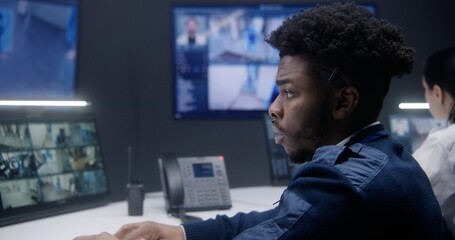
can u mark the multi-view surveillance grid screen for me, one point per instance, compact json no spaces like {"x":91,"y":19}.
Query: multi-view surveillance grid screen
{"x":47,"y":167}
{"x":38,"y":49}
{"x":222,"y":66}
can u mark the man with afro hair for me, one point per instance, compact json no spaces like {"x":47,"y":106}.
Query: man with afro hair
{"x":336,"y":63}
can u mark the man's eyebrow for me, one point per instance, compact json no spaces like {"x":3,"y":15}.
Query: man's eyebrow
{"x":280,"y":82}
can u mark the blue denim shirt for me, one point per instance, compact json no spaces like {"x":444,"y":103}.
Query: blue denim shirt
{"x":372,"y":190}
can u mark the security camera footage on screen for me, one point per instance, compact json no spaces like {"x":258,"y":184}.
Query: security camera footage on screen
{"x":222,"y":66}
{"x":44,"y":164}
{"x":411,"y":129}
{"x":38,"y":46}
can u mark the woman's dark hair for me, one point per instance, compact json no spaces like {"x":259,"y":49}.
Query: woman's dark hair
{"x":440,"y":70}
{"x":347,"y":36}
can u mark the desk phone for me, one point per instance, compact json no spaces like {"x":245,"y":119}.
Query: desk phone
{"x":194,"y":183}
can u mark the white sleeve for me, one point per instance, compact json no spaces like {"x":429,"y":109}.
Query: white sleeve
{"x":183,"y":230}
{"x":432,"y":157}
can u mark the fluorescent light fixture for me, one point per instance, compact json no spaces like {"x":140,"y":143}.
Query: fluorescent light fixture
{"x":40,"y":103}
{"x":414,"y":105}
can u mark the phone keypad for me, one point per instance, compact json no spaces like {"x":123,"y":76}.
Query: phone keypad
{"x":207,"y":189}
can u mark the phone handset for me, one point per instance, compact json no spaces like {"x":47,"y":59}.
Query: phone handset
{"x":173,"y":188}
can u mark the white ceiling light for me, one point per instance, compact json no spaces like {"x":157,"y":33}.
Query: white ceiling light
{"x":43,"y":103}
{"x":414,"y":106}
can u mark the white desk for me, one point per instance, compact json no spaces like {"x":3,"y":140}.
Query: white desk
{"x":112,"y":216}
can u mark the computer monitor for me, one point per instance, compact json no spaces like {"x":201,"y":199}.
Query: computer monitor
{"x":222,"y":67}
{"x":38,"y":49}
{"x":50,"y":165}
{"x":412,"y":129}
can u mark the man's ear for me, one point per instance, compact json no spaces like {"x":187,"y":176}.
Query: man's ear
{"x":347,"y":100}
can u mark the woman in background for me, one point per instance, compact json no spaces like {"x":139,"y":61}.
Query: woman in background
{"x":436,"y":155}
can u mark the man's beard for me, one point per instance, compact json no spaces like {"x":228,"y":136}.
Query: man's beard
{"x":312,"y":133}
{"x":300,"y":157}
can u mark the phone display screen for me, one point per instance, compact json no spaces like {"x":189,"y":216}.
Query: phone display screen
{"x":203,"y":170}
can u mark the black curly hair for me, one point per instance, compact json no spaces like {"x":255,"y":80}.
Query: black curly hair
{"x":347,"y":36}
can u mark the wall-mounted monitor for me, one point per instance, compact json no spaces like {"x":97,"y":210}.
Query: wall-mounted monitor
{"x":38,"y":49}
{"x":50,"y":165}
{"x":222,"y":67}
{"x":412,"y":129}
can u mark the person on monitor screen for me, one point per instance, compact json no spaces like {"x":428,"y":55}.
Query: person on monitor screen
{"x":336,"y":63}
{"x":191,"y":35}
{"x":436,"y":155}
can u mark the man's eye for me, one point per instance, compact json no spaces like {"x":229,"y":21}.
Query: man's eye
{"x":288,"y":94}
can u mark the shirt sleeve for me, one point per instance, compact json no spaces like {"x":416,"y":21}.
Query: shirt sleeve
{"x":316,"y":193}
{"x":432,"y":157}
{"x":224,"y":227}
{"x":183,"y":230}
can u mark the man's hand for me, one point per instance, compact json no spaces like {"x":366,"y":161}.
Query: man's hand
{"x":149,"y":231}
{"x":101,"y":236}
{"x":145,"y":230}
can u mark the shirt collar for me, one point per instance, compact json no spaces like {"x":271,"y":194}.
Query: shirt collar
{"x":342,"y":143}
